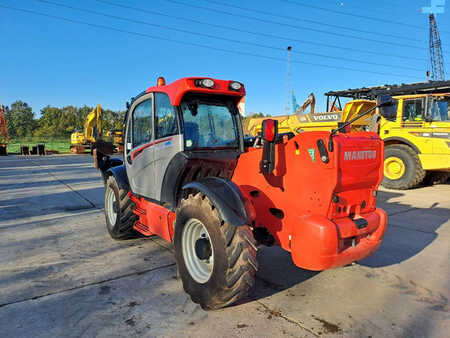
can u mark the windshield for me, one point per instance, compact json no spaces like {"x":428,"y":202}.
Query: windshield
{"x":208,"y":125}
{"x":439,"y":108}
{"x":414,"y":110}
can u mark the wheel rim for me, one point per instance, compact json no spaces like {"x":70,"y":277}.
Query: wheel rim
{"x":199,"y":269}
{"x":394,"y":168}
{"x":110,"y":207}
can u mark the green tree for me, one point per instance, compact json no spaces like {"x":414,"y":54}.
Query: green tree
{"x":20,"y":120}
{"x":68,"y":120}
{"x":48,"y":123}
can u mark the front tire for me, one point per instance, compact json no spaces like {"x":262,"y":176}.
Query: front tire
{"x":119,"y":211}
{"x":402,"y":168}
{"x":216,"y":260}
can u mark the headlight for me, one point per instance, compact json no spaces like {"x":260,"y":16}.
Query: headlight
{"x":235,"y":86}
{"x":206,"y":83}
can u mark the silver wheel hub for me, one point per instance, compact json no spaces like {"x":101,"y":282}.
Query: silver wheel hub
{"x":198,"y":253}
{"x":111,"y":206}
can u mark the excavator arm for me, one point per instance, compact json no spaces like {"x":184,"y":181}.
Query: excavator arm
{"x":80,"y":141}
{"x":310,"y":101}
{"x":93,"y":125}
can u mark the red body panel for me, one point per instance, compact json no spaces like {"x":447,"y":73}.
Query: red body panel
{"x":177,"y":89}
{"x":319,"y":243}
{"x":154,"y":219}
{"x":311,"y":226}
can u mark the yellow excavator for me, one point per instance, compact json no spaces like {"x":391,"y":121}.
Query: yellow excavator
{"x":80,"y":141}
{"x":328,"y":121}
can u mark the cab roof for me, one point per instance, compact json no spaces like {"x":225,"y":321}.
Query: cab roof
{"x":370,"y":93}
{"x":177,"y":89}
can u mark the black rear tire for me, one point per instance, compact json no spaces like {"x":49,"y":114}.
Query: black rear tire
{"x":122,"y":226}
{"x":413,"y":174}
{"x":234,"y":255}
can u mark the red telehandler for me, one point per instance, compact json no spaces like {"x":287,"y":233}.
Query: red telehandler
{"x":189,"y":176}
{"x":3,"y":132}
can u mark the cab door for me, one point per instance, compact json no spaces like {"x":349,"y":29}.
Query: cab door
{"x":168,"y":139}
{"x":414,"y":122}
{"x":139,"y":148}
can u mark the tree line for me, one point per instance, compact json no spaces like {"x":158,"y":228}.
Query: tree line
{"x":54,"y":122}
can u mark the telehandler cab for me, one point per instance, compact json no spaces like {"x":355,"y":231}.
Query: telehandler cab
{"x":189,"y":176}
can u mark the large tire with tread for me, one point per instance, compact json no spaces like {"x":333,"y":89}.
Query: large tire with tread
{"x":119,"y":211}
{"x":232,"y":252}
{"x":413,"y":173}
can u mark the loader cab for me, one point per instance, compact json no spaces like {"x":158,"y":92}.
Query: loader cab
{"x":439,"y":108}
{"x":429,"y":108}
{"x":414,"y":110}
{"x":210,"y":123}
{"x":179,"y":133}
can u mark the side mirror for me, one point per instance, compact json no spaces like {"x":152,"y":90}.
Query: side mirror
{"x":387,"y":106}
{"x":269,"y":135}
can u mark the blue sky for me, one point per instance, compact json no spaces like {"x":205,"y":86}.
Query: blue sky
{"x":48,"y":61}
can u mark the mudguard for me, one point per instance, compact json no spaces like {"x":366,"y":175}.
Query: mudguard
{"x":120,"y":174}
{"x":226,"y":197}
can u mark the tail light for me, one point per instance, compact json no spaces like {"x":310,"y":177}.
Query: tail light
{"x":269,"y":130}
{"x":269,"y":134}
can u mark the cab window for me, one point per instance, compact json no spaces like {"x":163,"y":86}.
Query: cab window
{"x":439,"y":108}
{"x":142,"y":123}
{"x":165,"y":117}
{"x":414,"y":110}
{"x":209,"y":125}
{"x":129,"y":133}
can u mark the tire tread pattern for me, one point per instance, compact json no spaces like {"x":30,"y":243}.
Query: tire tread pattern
{"x":417,"y":175}
{"x":241,"y":250}
{"x":123,"y":229}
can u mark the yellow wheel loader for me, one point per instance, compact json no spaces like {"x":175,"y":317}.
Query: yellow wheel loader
{"x":417,"y":140}
{"x":116,"y":138}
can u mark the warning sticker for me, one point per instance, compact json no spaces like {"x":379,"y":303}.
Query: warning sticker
{"x":312,"y":153}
